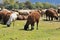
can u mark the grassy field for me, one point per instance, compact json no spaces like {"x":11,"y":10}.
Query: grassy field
{"x":48,"y":30}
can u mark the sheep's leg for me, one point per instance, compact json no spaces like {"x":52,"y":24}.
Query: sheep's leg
{"x":13,"y":23}
{"x":37,"y":24}
{"x":32,"y":26}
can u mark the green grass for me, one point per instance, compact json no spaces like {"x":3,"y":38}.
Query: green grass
{"x":47,"y":31}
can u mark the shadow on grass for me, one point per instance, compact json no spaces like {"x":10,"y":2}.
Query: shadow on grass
{"x":21,"y":29}
{"x":58,"y":28}
{"x":25,"y":30}
{"x":56,"y":21}
{"x":50,"y":20}
{"x":4,"y":26}
{"x":46,"y":20}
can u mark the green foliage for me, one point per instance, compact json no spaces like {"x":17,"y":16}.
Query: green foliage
{"x":9,"y":6}
{"x":11,"y":2}
{"x":27,"y":5}
{"x":16,"y":6}
{"x":21,"y":5}
{"x":47,"y":5}
{"x":33,"y":6}
{"x":39,"y":5}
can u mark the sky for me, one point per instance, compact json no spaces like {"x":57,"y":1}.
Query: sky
{"x":50,"y":1}
{"x":33,"y":1}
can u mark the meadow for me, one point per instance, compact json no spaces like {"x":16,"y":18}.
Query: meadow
{"x":48,"y":30}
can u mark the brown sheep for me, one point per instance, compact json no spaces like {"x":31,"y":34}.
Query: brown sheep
{"x":5,"y":16}
{"x":51,"y":14}
{"x":32,"y":18}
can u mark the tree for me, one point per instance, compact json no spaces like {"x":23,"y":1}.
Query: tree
{"x":9,"y":1}
{"x":47,"y":5}
{"x":9,"y":4}
{"x":21,"y":5}
{"x":28,"y":4}
{"x":39,"y":5}
{"x":16,"y":5}
{"x":33,"y":6}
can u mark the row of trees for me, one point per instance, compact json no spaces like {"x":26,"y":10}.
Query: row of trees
{"x":11,"y":4}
